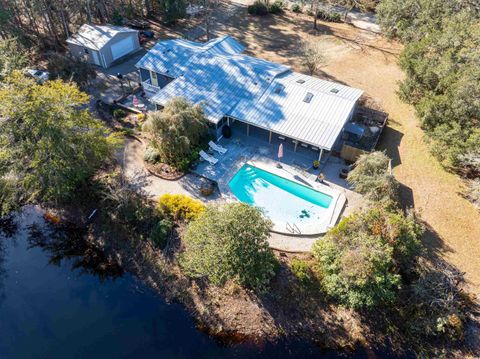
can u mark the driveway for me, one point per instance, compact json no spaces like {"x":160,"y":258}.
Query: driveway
{"x":108,"y":87}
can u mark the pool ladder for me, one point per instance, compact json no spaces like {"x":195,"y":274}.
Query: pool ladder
{"x":292,"y":228}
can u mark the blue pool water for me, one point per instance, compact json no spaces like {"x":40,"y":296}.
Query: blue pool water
{"x":281,"y":199}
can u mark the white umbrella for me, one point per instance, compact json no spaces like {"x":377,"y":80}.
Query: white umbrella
{"x":280,"y":151}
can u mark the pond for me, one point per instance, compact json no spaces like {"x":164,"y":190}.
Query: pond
{"x":60,"y":298}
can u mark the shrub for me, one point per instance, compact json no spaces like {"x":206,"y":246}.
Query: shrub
{"x":329,"y":16}
{"x":276,"y":7}
{"x":360,"y":261}
{"x":301,"y":270}
{"x":371,"y":177}
{"x":160,"y":231}
{"x":151,"y":155}
{"x":119,"y":113}
{"x":180,"y":207}
{"x":258,"y":8}
{"x":473,"y":192}
{"x":70,"y":68}
{"x":230,"y":243}
{"x":296,"y":8}
{"x":117,"y":18}
{"x":179,"y":130}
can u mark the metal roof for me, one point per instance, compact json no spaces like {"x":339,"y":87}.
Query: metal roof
{"x":255,"y":91}
{"x":220,"y":82}
{"x":284,"y":109}
{"x":96,"y":36}
{"x":172,"y":57}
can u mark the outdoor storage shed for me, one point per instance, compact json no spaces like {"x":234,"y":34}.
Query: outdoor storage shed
{"x":103,"y":44}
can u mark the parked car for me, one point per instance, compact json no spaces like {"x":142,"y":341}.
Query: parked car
{"x":39,"y":75}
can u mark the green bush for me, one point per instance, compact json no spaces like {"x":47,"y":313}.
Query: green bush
{"x":276,"y":7}
{"x":301,"y":270}
{"x":329,"y":16}
{"x":360,"y":261}
{"x":180,"y":207}
{"x":230,"y":243}
{"x":296,"y":8}
{"x":151,"y":155}
{"x":160,"y":231}
{"x":119,"y":113}
{"x":258,"y":8}
{"x":178,"y":131}
{"x":371,"y":177}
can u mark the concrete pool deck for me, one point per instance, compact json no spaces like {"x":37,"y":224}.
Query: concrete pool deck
{"x":131,"y":158}
{"x":292,"y":227}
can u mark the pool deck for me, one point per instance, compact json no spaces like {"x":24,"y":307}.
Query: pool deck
{"x":296,"y":166}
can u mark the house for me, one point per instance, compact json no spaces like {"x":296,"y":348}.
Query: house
{"x":103,"y":44}
{"x":233,"y":87}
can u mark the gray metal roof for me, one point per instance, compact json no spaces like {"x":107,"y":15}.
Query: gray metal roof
{"x":220,"y":82}
{"x":255,"y":91}
{"x":283,"y":110}
{"x":96,"y":36}
{"x":172,"y":57}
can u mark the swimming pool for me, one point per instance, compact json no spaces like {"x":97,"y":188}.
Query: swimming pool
{"x":282,"y":200}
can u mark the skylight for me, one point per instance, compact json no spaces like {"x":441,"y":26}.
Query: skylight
{"x":308,"y":97}
{"x":278,"y":88}
{"x":334,"y":90}
{"x":301,"y":81}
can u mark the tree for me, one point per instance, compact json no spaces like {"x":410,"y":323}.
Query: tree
{"x":230,"y":243}
{"x":177,"y":130}
{"x":49,"y":144}
{"x":440,"y":59}
{"x":360,"y":261}
{"x":70,"y":68}
{"x":173,"y":10}
{"x":372,"y":177}
{"x":312,"y":56}
{"x":12,"y":57}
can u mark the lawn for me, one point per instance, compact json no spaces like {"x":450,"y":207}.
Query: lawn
{"x":361,"y":59}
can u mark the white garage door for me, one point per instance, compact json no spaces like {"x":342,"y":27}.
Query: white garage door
{"x":122,"y":48}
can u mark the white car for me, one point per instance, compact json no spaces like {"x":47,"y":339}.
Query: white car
{"x":39,"y":75}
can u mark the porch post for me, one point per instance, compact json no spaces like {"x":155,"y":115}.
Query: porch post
{"x":320,"y":155}
{"x":296,"y":144}
{"x":228,"y":120}
{"x":270,"y":137}
{"x":248,"y":129}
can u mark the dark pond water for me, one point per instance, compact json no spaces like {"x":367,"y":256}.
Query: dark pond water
{"x":57,"y":304}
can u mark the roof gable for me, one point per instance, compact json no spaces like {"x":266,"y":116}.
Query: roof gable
{"x":96,"y":36}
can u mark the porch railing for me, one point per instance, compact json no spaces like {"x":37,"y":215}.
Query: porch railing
{"x":147,"y":86}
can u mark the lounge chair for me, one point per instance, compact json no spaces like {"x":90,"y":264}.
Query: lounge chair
{"x":217,"y":147}
{"x":210,"y":159}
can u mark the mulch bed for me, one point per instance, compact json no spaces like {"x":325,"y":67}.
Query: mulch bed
{"x":164,"y":171}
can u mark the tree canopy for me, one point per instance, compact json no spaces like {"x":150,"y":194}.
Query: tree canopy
{"x":441,"y":56}
{"x":49,"y":142}
{"x":371,"y":177}
{"x":178,"y":129}
{"x":360,"y":260}
{"x":230,"y":243}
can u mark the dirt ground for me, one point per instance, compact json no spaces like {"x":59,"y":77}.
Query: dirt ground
{"x":367,"y":61}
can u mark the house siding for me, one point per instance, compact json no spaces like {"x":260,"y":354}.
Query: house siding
{"x":105,"y":53}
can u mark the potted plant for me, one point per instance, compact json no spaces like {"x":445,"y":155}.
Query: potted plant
{"x":316,"y":164}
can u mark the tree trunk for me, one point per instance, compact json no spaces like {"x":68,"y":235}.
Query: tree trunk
{"x":89,"y":11}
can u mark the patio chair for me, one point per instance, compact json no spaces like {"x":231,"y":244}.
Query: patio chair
{"x":217,"y":147}
{"x":210,"y":159}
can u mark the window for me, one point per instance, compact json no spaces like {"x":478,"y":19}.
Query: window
{"x":334,"y":90}
{"x":308,"y":97}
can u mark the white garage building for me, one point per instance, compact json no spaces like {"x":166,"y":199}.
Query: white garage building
{"x":102,"y":45}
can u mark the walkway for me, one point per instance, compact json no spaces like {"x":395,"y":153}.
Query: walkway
{"x":132,"y":159}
